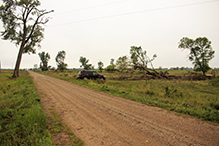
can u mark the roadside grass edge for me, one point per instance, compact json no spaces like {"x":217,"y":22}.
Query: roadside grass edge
{"x":22,"y":119}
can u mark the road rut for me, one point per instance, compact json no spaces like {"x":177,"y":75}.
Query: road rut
{"x":101,"y":119}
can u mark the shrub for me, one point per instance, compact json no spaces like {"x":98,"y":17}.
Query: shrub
{"x":214,"y":82}
{"x":110,"y":68}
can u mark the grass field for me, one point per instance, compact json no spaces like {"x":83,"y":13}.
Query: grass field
{"x":196,"y":98}
{"x":22,"y":120}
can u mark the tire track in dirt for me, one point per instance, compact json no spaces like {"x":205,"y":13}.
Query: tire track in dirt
{"x":101,"y":119}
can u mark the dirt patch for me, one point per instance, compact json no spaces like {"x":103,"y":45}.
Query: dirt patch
{"x":101,"y":119}
{"x":59,"y":138}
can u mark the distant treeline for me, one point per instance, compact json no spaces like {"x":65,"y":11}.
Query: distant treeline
{"x":160,"y":68}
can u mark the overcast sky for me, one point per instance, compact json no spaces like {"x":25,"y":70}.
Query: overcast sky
{"x":103,"y":29}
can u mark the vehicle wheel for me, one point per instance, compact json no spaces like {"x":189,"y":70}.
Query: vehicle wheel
{"x":85,"y":78}
{"x":102,"y":79}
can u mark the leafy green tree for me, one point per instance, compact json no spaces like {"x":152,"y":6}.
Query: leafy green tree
{"x":112,"y":66}
{"x":200,"y":54}
{"x":112,"y":61}
{"x":122,"y":63}
{"x":84,"y":63}
{"x":22,"y":22}
{"x":60,"y":57}
{"x":62,"y":66}
{"x":100,"y":65}
{"x":44,"y":57}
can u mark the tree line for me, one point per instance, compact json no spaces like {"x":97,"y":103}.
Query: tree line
{"x":201,"y":53}
{"x":44,"y":57}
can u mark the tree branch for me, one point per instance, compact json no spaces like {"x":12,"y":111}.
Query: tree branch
{"x":36,"y":22}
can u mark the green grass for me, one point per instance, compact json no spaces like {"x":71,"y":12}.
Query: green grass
{"x":196,"y":98}
{"x":22,"y":119}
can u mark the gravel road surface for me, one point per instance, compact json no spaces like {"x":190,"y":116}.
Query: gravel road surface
{"x":101,"y":119}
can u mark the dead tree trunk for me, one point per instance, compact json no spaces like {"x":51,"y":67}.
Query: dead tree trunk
{"x":148,"y":71}
{"x":153,"y":72}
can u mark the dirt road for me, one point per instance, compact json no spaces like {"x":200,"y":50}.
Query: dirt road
{"x":101,"y":119}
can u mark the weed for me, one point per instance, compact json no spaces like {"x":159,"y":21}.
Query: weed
{"x":41,"y":93}
{"x":214,"y":82}
{"x":98,"y":81}
{"x":173,"y":93}
{"x":104,"y":88}
{"x":148,"y":92}
{"x":214,"y":105}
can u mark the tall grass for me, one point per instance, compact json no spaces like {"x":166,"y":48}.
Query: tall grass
{"x":196,"y":98}
{"x":22,"y":119}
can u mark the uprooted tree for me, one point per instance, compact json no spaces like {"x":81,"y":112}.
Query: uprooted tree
{"x":140,"y":60}
{"x":22,"y":22}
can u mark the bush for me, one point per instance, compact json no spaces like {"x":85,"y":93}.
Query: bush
{"x":214,"y":82}
{"x":110,"y":68}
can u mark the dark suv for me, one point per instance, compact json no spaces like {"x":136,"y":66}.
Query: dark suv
{"x":90,"y":75}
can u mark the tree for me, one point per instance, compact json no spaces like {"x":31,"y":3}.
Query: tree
{"x":100,"y":65}
{"x":140,"y":60}
{"x":112,"y":61}
{"x":200,"y":54}
{"x":35,"y":67}
{"x":84,"y":63}
{"x":122,"y":63}
{"x":44,"y":57}
{"x":22,"y":22}
{"x":60,"y":57}
{"x":182,"y":68}
{"x":112,"y":66}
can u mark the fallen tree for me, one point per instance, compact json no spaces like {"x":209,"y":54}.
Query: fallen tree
{"x":140,"y":60}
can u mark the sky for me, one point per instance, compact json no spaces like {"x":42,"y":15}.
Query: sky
{"x":104,"y":29}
